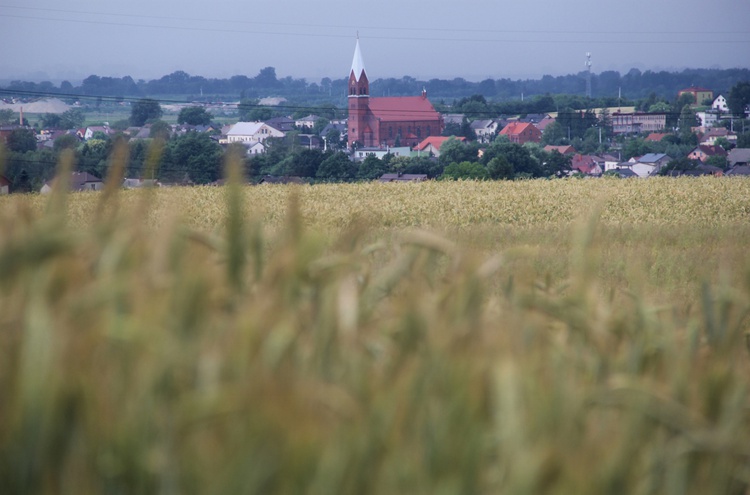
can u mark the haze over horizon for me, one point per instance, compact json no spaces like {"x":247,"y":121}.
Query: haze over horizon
{"x":424,"y":40}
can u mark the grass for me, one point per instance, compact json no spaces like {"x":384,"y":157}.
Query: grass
{"x":543,"y":336}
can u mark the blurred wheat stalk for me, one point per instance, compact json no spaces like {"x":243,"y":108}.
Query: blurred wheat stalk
{"x":179,"y":359}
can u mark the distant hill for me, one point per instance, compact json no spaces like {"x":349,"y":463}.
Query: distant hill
{"x":631,"y":85}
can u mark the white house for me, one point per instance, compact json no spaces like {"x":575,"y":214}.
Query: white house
{"x":252,"y":132}
{"x":362,"y":153}
{"x":720,"y":104}
{"x":610,"y":162}
{"x":257,"y":148}
{"x":484,"y":129}
{"x":708,"y":119}
{"x":306,"y":122}
{"x":79,"y":181}
{"x":649,"y":164}
{"x":93,"y":129}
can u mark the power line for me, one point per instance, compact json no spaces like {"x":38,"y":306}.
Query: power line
{"x":629,"y":41}
{"x":348,"y":27}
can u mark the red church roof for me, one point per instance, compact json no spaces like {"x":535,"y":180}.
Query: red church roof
{"x":403,"y":108}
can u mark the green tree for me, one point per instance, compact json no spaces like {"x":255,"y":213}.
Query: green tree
{"x":304,"y":163}
{"x":194,"y":154}
{"x":250,"y":111}
{"x":660,"y":107}
{"x":371,"y":168}
{"x":320,"y":124}
{"x":465,"y":170}
{"x":499,"y":168}
{"x":21,"y":140}
{"x":161,"y":130}
{"x":120,"y":125}
{"x":739,"y":98}
{"x":456,"y":151}
{"x":7,"y":116}
{"x":194,"y":115}
{"x":635,"y":147}
{"x":743,"y":140}
{"x":556,"y":164}
{"x":678,"y":165}
{"x":50,"y":121}
{"x":554,"y":135}
{"x":72,"y":119}
{"x":144,"y":110}
{"x":519,"y":157}
{"x":333,"y":139}
{"x":724,"y":143}
{"x":93,"y":157}
{"x":336,"y":166}
{"x":718,"y":161}
{"x":66,"y":141}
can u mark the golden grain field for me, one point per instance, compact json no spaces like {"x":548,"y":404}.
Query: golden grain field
{"x":568,"y":336}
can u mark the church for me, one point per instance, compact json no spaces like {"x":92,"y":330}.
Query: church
{"x":388,"y":121}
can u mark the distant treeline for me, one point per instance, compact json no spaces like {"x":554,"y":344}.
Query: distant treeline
{"x":632,"y":85}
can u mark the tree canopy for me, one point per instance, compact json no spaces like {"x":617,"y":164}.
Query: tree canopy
{"x":194,"y":115}
{"x":144,"y":110}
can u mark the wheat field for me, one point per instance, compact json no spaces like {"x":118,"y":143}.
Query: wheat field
{"x":566,"y":336}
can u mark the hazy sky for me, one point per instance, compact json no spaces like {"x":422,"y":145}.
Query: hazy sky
{"x":49,"y":39}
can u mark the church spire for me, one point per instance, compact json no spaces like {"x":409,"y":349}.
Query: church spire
{"x":358,"y":64}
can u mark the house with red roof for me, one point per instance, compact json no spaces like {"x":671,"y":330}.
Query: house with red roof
{"x":587,"y":164}
{"x":712,"y":135}
{"x":430,"y":146}
{"x":703,"y":152}
{"x":563,"y":150}
{"x":387,"y":121}
{"x":522,"y":132}
{"x":655,"y":137}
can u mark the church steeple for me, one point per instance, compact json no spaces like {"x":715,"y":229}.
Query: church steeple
{"x":358,"y":83}
{"x":358,"y":64}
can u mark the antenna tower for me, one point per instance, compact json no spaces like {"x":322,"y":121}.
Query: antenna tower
{"x":588,"y":74}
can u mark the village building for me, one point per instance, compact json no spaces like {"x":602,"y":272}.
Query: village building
{"x":563,"y":150}
{"x":700,"y":95}
{"x":430,"y":146}
{"x":522,"y":132}
{"x":387,"y":121}
{"x":633,"y":123}
{"x":703,"y":152}
{"x":252,"y":132}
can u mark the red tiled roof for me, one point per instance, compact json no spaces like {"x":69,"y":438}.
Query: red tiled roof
{"x":583,"y":163}
{"x":656,"y":136}
{"x":435,"y":141}
{"x":515,"y":128}
{"x":403,"y":108}
{"x":542,"y":125}
{"x":694,"y":89}
{"x":712,"y":150}
{"x":560,"y":149}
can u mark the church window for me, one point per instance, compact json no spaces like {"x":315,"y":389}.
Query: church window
{"x":429,"y":133}
{"x":390,"y":132}
{"x":419,"y":132}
